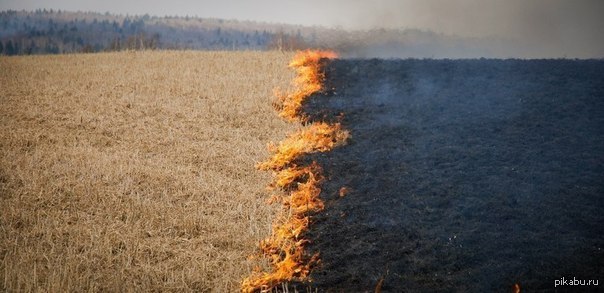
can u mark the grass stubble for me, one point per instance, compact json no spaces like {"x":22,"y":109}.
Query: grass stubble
{"x":134,"y":171}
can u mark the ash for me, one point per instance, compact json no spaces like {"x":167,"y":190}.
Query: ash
{"x":462,"y":175}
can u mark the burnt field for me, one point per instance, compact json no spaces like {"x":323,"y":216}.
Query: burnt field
{"x":462,"y":175}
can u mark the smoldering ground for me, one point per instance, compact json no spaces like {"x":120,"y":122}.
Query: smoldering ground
{"x":462,"y":175}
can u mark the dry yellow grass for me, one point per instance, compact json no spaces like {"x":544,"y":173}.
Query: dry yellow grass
{"x":135,"y":171}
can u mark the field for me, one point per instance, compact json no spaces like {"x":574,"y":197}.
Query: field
{"x":463,"y":176}
{"x":135,"y":170}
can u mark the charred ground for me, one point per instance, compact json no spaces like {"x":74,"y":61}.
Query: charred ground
{"x":464,"y":175}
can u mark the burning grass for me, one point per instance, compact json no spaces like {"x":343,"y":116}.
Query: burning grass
{"x":300,"y":184}
{"x":317,"y":137}
{"x":309,"y":80}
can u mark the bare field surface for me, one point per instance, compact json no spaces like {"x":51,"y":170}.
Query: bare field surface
{"x":135,"y":171}
{"x":463,"y":176}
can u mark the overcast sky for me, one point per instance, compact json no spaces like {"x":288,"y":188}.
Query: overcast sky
{"x":547,"y":21}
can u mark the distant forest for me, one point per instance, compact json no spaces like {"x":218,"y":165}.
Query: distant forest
{"x":55,"y":32}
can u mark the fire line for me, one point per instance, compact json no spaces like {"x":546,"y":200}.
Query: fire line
{"x":300,"y":184}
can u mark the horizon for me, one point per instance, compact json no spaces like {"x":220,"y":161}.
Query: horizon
{"x":562,"y":27}
{"x":466,"y":18}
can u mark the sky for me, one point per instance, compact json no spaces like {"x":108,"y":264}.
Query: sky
{"x":565,"y":22}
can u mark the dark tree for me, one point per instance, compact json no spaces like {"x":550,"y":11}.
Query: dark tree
{"x":87,"y":49}
{"x":31,"y":48}
{"x":10,"y":48}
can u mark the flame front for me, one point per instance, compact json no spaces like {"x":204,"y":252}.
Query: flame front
{"x":317,"y":137}
{"x":301,"y":184}
{"x":309,"y":80}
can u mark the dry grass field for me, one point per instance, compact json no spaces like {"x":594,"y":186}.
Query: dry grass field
{"x":135,"y":171}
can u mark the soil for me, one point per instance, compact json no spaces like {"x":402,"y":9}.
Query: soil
{"x":463,"y":175}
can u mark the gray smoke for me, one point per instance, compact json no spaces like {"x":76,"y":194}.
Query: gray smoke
{"x":484,"y":28}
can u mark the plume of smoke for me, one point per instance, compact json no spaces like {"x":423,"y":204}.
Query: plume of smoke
{"x":473,"y":28}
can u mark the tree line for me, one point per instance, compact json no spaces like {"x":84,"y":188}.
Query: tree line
{"x":55,"y":32}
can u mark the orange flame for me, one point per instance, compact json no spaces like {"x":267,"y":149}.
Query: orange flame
{"x":317,"y":137}
{"x":285,"y":247}
{"x":308,"y":81}
{"x":343,"y":191}
{"x":285,"y":178}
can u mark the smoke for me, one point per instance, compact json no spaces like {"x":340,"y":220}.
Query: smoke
{"x":510,"y":28}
